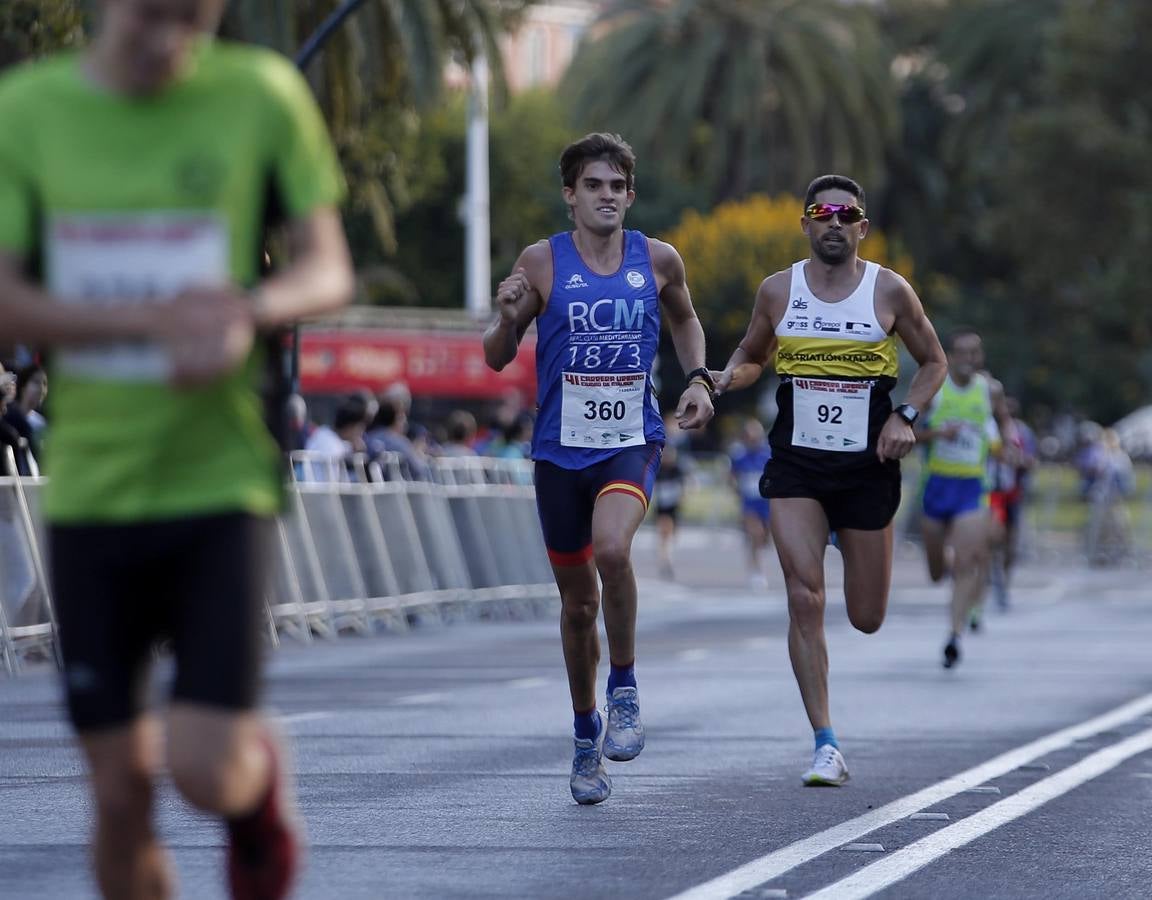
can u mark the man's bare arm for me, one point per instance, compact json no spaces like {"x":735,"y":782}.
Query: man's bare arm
{"x":519,"y":299}
{"x":683,"y":325}
{"x":318,"y":278}
{"x":897,"y":437}
{"x":32,"y":316}
{"x":919,"y":337}
{"x":694,"y":409}
{"x":754,"y":352}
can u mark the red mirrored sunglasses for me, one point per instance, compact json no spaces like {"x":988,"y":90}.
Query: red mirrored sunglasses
{"x":845,"y":212}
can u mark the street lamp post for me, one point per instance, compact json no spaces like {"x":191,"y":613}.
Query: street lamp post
{"x":478,"y":248}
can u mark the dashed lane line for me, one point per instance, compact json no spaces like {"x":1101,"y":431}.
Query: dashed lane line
{"x":776,"y":863}
{"x":887,"y":872}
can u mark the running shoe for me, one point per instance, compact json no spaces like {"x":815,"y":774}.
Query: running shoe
{"x":625,"y":735}
{"x":264,"y":847}
{"x":590,"y":782}
{"x":828,"y":768}
{"x":951,"y":653}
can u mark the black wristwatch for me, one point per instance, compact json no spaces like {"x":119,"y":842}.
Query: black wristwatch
{"x":908,"y":413}
{"x":703,"y":372}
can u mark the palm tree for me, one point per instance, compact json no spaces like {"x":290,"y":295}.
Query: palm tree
{"x":994,"y":54}
{"x":761,"y":95}
{"x":377,"y":73}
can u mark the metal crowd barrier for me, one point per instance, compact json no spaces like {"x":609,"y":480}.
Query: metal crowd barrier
{"x":358,"y":548}
{"x":27,"y":619}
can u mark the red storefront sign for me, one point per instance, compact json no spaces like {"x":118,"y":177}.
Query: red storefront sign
{"x":432,"y":364}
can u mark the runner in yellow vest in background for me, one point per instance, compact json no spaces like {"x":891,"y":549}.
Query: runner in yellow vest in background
{"x":960,"y":430}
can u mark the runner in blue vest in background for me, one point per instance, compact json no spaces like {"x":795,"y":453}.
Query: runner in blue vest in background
{"x":748,"y":458}
{"x":596,"y":294}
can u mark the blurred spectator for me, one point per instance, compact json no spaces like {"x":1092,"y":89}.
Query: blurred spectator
{"x":389,"y":434}
{"x":460,"y":432}
{"x":1009,"y":474}
{"x":400,"y":394}
{"x":10,"y":435}
{"x":1109,"y":525}
{"x":371,"y":404}
{"x":748,"y":457}
{"x":299,"y":426}
{"x":23,"y":414}
{"x":668,"y":493}
{"x":515,"y":441}
{"x":509,"y":410}
{"x":337,"y":443}
{"x":1087,"y":455}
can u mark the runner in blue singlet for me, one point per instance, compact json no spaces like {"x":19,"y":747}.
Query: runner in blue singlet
{"x":748,"y":459}
{"x":596,"y":294}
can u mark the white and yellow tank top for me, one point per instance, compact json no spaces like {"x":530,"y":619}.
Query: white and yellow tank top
{"x":837,"y":367}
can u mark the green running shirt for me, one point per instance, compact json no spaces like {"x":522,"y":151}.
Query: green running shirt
{"x":969,"y":408}
{"x":115,"y":199}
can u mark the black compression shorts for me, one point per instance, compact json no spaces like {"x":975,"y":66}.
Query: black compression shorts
{"x":863,"y":499}
{"x":119,"y":589}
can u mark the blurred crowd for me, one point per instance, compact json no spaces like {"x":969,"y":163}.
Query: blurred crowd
{"x":22,"y":424}
{"x":366,"y":428}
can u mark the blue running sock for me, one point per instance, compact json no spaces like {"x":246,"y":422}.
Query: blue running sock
{"x":825,"y":736}
{"x":587,"y":724}
{"x":622,"y":676}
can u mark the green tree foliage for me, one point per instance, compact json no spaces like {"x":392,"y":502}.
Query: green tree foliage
{"x":31,"y":28}
{"x":376,"y":76}
{"x":743,"y":95}
{"x":1072,"y":208}
{"x":526,"y":138}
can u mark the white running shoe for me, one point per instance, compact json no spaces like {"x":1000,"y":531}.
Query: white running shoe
{"x":625,"y":734}
{"x":828,"y":768}
{"x":590,"y":782}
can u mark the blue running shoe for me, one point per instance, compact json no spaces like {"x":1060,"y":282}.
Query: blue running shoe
{"x":590,"y":782}
{"x":625,"y":738}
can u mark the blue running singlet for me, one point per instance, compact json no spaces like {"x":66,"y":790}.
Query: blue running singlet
{"x":595,"y":348}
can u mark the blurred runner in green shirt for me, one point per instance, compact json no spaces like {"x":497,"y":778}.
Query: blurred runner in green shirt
{"x":138,"y":181}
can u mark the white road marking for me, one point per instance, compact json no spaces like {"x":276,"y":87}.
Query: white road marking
{"x":787,"y":858}
{"x":533,"y":681}
{"x":419,"y":699}
{"x":902,"y":863}
{"x":293,"y":718}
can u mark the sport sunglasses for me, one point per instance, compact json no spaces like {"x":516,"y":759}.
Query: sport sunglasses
{"x":845,"y":212}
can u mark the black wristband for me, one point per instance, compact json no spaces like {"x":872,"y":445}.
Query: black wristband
{"x":703,"y":372}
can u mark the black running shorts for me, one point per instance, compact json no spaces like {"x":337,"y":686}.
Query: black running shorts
{"x":119,"y":589}
{"x":862,"y":499}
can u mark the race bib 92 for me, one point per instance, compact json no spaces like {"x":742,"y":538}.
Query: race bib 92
{"x":125,"y":259}
{"x":830,"y":415}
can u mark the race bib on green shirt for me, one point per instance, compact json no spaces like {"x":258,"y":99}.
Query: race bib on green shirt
{"x":128,"y":260}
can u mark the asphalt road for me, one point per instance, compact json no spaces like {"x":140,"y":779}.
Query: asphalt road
{"x":433,"y":764}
